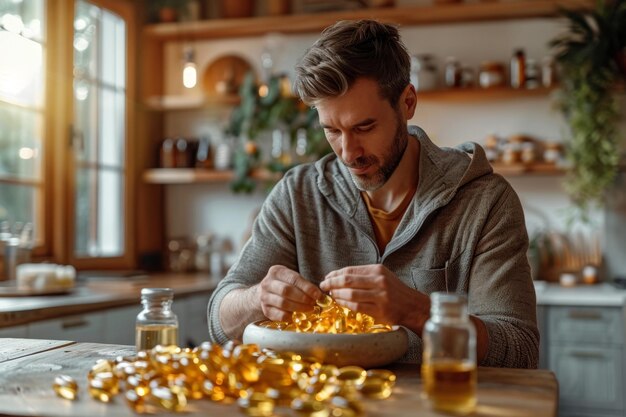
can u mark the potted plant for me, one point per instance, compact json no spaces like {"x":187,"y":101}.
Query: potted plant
{"x":166,"y":11}
{"x":262,"y":109}
{"x":591,"y":58}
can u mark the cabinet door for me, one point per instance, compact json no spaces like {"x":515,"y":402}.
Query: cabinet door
{"x":197,"y":329}
{"x":120,"y":325}
{"x":589,"y":376}
{"x":543,"y":337}
{"x":77,"y":328}
{"x":19,"y":332}
{"x":586,"y":325}
{"x":192,"y":319}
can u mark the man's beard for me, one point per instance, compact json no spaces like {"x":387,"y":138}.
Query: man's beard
{"x":390,"y":162}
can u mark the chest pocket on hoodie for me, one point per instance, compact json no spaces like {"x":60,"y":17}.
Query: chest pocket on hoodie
{"x":439,"y":279}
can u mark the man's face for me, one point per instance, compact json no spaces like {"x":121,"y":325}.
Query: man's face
{"x":367,"y":134}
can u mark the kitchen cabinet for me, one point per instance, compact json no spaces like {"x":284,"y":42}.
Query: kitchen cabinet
{"x":192,"y":319}
{"x":584,"y":346}
{"x":79,"y":328}
{"x":119,"y":325}
{"x":15,"y":331}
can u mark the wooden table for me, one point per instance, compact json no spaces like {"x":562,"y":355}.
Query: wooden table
{"x":28,"y":367}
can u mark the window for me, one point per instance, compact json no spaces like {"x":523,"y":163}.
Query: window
{"x":22,"y":118}
{"x":64,"y":148}
{"x":99,"y":131}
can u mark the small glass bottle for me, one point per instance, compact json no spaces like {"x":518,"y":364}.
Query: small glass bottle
{"x":156,"y":324}
{"x":449,"y":356}
{"x":518,"y":69}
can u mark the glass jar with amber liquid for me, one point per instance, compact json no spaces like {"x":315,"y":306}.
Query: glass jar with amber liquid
{"x":156,"y":324}
{"x":449,"y":355}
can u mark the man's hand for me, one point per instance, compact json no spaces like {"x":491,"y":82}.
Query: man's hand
{"x":375,"y":290}
{"x":284,"y":291}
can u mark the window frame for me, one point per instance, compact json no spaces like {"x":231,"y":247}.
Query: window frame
{"x":59,"y":162}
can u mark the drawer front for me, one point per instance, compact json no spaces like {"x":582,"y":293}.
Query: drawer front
{"x":18,"y":332}
{"x":589,"y":376}
{"x":77,"y":328}
{"x":120,"y":325}
{"x":599,"y":325}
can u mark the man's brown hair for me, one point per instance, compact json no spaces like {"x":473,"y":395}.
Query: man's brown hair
{"x":348,"y":50}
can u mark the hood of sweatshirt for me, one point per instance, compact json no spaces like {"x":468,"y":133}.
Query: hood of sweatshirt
{"x":442,"y":172}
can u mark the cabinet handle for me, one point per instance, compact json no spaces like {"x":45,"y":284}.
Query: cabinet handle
{"x":74,"y":323}
{"x":587,"y":355}
{"x":584,"y":315}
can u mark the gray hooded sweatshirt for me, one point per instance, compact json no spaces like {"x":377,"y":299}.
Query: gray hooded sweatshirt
{"x":464,"y":232}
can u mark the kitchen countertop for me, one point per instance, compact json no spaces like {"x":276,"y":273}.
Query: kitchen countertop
{"x":96,"y":296}
{"x":28,"y":367}
{"x":118,"y":293}
{"x":600,"y":295}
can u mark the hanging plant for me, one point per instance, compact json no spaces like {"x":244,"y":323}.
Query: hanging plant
{"x":590,"y":55}
{"x":264,"y":109}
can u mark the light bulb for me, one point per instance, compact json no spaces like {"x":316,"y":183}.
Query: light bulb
{"x":190,"y":73}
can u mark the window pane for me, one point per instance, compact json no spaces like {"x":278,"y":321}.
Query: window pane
{"x":85,"y":120}
{"x":25,"y":17}
{"x":84,"y":210}
{"x":99,"y":213}
{"x":20,"y":142}
{"x":18,"y":203}
{"x":111,"y":218}
{"x":21,"y":70}
{"x":99,"y":97}
{"x":86,"y":40}
{"x":112,"y":122}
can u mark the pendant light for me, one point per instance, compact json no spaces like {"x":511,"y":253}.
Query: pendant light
{"x":190,"y":72}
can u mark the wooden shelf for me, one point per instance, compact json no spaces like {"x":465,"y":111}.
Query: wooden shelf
{"x":480,"y":94}
{"x":539,"y":169}
{"x":405,"y":16}
{"x":167,"y":103}
{"x":193,"y":176}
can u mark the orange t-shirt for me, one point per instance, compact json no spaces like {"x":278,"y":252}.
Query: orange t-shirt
{"x":385,"y":223}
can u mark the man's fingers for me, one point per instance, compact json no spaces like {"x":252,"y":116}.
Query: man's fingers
{"x":286,"y":304}
{"x":293,"y":280}
{"x":357,"y":295}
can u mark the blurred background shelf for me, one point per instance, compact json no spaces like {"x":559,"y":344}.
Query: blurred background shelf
{"x":194,"y":175}
{"x":404,"y":16}
{"x":480,"y":94}
{"x":530,"y":169}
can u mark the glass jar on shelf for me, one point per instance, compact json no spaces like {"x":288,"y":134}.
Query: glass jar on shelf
{"x":453,"y":75}
{"x":491,"y":74}
{"x":423,"y":72}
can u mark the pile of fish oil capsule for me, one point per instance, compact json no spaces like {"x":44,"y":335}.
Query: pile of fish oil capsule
{"x":167,"y":377}
{"x":329,"y":317}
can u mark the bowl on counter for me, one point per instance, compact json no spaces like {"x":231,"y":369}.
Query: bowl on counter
{"x":368,"y":350}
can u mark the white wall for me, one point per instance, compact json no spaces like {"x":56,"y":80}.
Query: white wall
{"x":199,"y":208}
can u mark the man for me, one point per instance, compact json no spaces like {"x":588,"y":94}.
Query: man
{"x":388,"y":218}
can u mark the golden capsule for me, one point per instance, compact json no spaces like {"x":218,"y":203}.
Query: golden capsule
{"x":347,"y":407}
{"x":354,"y":375}
{"x":257,"y":404}
{"x":100,"y":390}
{"x":170,"y":398}
{"x":383,"y":374}
{"x":377,"y":388}
{"x":310,"y":407}
{"x":325,"y":301}
{"x":135,"y":401}
{"x":65,"y":386}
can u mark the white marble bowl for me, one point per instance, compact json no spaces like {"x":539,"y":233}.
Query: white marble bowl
{"x":368,"y":350}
